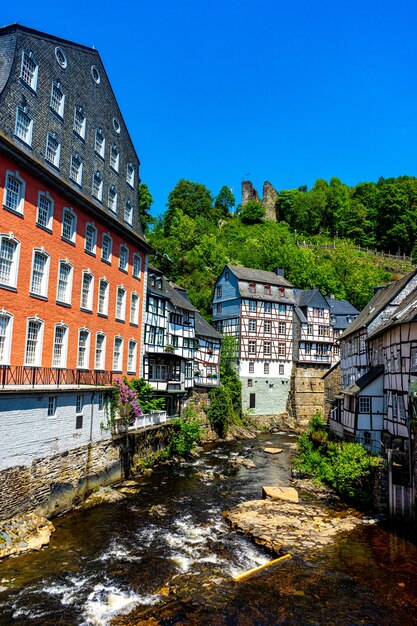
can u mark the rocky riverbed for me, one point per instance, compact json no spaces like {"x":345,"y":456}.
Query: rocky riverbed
{"x":24,"y":533}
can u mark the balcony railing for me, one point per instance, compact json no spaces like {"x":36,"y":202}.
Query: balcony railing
{"x":156,"y":418}
{"x":22,"y":376}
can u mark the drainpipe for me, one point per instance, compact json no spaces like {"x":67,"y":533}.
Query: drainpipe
{"x":390,"y":494}
{"x":93,"y":395}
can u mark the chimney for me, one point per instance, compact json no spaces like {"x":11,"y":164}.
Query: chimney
{"x":280,"y":272}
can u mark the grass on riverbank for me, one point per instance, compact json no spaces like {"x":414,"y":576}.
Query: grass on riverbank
{"x":346,"y":467}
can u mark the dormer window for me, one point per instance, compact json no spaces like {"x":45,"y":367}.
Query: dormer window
{"x":24,"y":125}
{"x":29,"y":70}
{"x":53,"y":149}
{"x":100,"y":143}
{"x":57,"y":99}
{"x":114,"y":158}
{"x":252,"y":288}
{"x":112,"y":199}
{"x":267,"y":290}
{"x":130,"y":174}
{"x":128,"y":212}
{"x":97,"y":190}
{"x":79,"y":122}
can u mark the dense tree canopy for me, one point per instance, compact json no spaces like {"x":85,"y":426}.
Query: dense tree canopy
{"x":315,"y":239}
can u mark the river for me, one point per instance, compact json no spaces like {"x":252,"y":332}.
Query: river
{"x":122,"y":559}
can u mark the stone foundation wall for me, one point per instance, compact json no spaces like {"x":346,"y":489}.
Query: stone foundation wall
{"x":144,"y":447}
{"x":199,"y":399}
{"x":54,"y":485}
{"x":332,"y":386}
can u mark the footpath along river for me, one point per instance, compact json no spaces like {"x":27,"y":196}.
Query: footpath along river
{"x":167,"y":556}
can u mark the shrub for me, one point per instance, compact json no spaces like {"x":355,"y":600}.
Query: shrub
{"x":186,"y":432}
{"x":220,"y":411}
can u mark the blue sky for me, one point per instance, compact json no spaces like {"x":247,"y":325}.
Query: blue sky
{"x":216,"y":91}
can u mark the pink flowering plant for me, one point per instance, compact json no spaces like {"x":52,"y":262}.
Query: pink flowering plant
{"x":127,"y":403}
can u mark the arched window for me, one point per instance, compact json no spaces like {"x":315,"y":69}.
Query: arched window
{"x":100,"y":354}
{"x":64,"y":286}
{"x":117,"y":354}
{"x":83,"y":354}
{"x":34,"y":338}
{"x":137,"y":265}
{"x":90,"y":238}
{"x":87,"y":289}
{"x":40,"y":273}
{"x":131,"y":356}
{"x":69,"y":224}
{"x":106,"y":247}
{"x":45,"y":210}
{"x":9,"y":259}
{"x":6,"y":329}
{"x":123,"y":257}
{"x":59,"y":355}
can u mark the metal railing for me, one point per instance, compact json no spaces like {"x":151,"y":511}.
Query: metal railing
{"x":21,"y":376}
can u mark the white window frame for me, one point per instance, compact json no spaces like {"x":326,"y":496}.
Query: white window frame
{"x":112,"y":199}
{"x":44,"y":195}
{"x":118,"y":367}
{"x":102,"y":364}
{"x":110,"y":238}
{"x":267,"y":347}
{"x":97,"y":186}
{"x":79,"y":129}
{"x":136,"y":265}
{"x":14,"y":264}
{"x":128,"y":212}
{"x":55,"y":158}
{"x":73,"y":225}
{"x":78,"y":177}
{"x":88,"y":304}
{"x":114,"y":158}
{"x":132,"y":356}
{"x":252,"y":347}
{"x":45,"y":274}
{"x":124,"y":267}
{"x":59,"y":109}
{"x":19,"y":208}
{"x":105,"y":308}
{"x":130,"y":174}
{"x":252,"y":325}
{"x":100,"y":147}
{"x":64,"y":346}
{"x":68,"y":290}
{"x":33,"y":83}
{"x":281,"y":348}
{"x":134,"y":310}
{"x":6,"y":350}
{"x":27,"y":136}
{"x":86,"y":352}
{"x":121,"y":304}
{"x":37,"y":359}
{"x":93,"y":248}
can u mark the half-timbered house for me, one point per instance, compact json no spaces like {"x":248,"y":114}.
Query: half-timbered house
{"x":207,"y":354}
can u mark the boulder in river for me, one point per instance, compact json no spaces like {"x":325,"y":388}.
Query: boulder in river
{"x":273,"y":450}
{"x":289,"y":494}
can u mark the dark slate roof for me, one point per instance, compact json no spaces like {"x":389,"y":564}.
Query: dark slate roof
{"x":204,"y":329}
{"x":258,"y":276}
{"x":300,"y":315}
{"x":365,"y":380}
{"x":169,"y":292}
{"x":310,"y":297}
{"x":381,"y":299}
{"x":405,"y":313}
{"x":341,"y":307}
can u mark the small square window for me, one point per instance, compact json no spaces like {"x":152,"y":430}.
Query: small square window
{"x":250,"y":382}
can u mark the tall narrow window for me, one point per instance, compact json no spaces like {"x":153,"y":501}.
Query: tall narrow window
{"x":103,"y":296}
{"x":281,"y":328}
{"x":131,"y":356}
{"x":252,"y":347}
{"x":79,"y":121}
{"x":128,"y":217}
{"x":14,"y":192}
{"x":100,"y":143}
{"x":130,"y":174}
{"x":114,"y":158}
{"x":24,"y":125}
{"x":121,"y":303}
{"x":57,"y":99}
{"x":117,"y":354}
{"x":87,"y":291}
{"x":106,"y":247}
{"x":40,"y":269}
{"x":100,"y":356}
{"x":45,"y":210}
{"x":59,"y":356}
{"x":53,"y":149}
{"x":29,"y":70}
{"x":123,"y":258}
{"x":267,"y":326}
{"x":134,"y":309}
{"x":90,"y":238}
{"x":6,"y":324}
{"x":252,"y":288}
{"x":69,"y":223}
{"x":9,"y":257}
{"x":83,"y":348}
{"x":252,"y":326}
{"x":64,"y":282}
{"x":112,"y":199}
{"x":137,"y":265}
{"x":76,"y":169}
{"x":281,"y":349}
{"x":97,"y":189}
{"x":33,"y":352}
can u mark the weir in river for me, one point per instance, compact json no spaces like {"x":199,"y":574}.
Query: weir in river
{"x":168,"y":556}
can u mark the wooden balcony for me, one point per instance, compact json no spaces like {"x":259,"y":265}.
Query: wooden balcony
{"x":20,"y":376}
